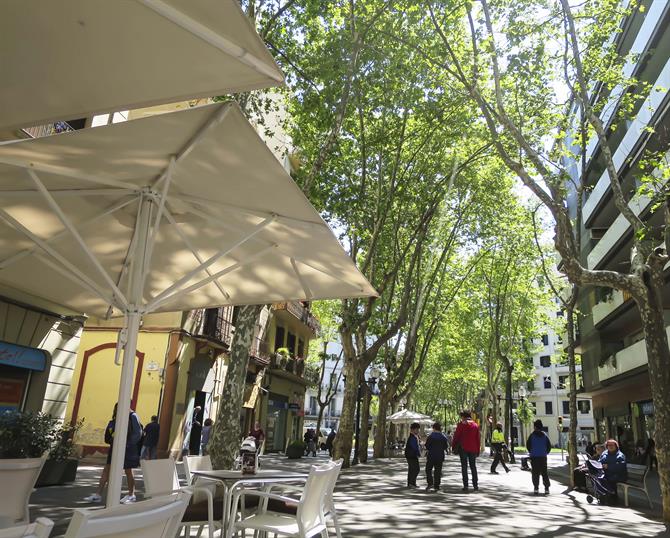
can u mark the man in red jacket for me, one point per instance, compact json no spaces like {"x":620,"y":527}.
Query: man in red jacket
{"x":467,"y":443}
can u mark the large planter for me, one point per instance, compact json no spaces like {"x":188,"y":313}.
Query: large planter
{"x":295,"y":452}
{"x":17,"y":480}
{"x":56,"y":472}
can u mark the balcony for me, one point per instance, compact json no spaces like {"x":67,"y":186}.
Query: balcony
{"x":213,"y":323}
{"x":49,"y":129}
{"x":604,"y":309}
{"x":301,"y":312}
{"x":625,"y":360}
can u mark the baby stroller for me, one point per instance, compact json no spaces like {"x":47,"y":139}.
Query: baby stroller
{"x":597,"y":486}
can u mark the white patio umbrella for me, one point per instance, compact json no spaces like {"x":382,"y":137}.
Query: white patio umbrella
{"x":68,"y":59}
{"x":168,"y":213}
{"x":405,"y":416}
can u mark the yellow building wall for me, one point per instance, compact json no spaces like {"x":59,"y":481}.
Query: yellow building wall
{"x":95,"y":396}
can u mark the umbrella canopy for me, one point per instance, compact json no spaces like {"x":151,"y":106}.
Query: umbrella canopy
{"x":405,"y":416}
{"x":234,"y":227}
{"x":70,"y":59}
{"x":172,"y":212}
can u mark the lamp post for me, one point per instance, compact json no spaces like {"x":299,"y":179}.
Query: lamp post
{"x":444,"y":403}
{"x":371,"y":382}
{"x":521,"y":397}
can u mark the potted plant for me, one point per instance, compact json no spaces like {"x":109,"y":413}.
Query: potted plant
{"x":295,"y":450}
{"x":282,"y":355}
{"x":26,"y":439}
{"x":61,"y":467}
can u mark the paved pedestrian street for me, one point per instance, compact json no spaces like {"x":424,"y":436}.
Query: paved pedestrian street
{"x":372,"y":501}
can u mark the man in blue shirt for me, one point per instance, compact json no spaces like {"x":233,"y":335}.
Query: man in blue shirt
{"x":150,"y":442}
{"x":539,"y":446}
{"x":436,"y":447}
{"x":412,"y":453}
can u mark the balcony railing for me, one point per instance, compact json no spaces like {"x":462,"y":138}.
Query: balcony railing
{"x":300,"y":312}
{"x":214,"y":323}
{"x":49,"y":129}
{"x":613,"y":300}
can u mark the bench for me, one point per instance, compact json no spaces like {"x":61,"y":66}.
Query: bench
{"x":637,"y":479}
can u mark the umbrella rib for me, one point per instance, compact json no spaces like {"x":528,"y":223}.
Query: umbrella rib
{"x":303,"y":283}
{"x":155,"y":304}
{"x":159,"y":214}
{"x":69,"y":192}
{"x":67,"y":172}
{"x":193,"y":250}
{"x":183,"y":280}
{"x":85,"y":281}
{"x":212,"y":38}
{"x":320,"y":270}
{"x":238,"y":209}
{"x":68,"y":224}
{"x":27,"y":252}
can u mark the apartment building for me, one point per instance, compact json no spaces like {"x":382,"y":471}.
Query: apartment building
{"x":614,"y":359}
{"x":333,"y":412}
{"x":549,"y":391}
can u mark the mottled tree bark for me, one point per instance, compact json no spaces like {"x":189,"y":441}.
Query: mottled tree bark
{"x":379,"y":448}
{"x":344,"y":438}
{"x":572,"y":373}
{"x":224,"y":443}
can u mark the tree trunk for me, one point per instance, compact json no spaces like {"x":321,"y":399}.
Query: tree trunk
{"x":344,"y":438}
{"x":380,"y":434}
{"x":365,"y":420}
{"x":225,"y":437}
{"x":658,"y":353}
{"x":572,"y":373}
{"x":320,"y":417}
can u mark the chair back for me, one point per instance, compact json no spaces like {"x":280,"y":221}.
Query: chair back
{"x":158,"y":517}
{"x":160,"y":476}
{"x":196,"y":463}
{"x":310,"y":507}
{"x":19,"y":477}
{"x":328,"y":502}
{"x":40,"y":529}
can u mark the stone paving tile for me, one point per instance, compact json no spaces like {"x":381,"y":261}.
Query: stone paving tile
{"x":373,"y":502}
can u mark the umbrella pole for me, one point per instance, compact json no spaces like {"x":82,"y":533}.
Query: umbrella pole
{"x":136,"y":278}
{"x":123,"y":411}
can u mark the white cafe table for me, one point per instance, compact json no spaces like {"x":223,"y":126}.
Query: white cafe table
{"x":230,"y":480}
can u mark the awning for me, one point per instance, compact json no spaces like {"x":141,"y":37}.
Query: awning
{"x":29,"y":358}
{"x":235,"y":228}
{"x":405,"y":416}
{"x":252,"y":391}
{"x":63,"y":60}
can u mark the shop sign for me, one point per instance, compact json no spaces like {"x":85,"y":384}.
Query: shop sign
{"x":647,"y":408}
{"x":11,"y":391}
{"x":23,"y":357}
{"x":294,"y":406}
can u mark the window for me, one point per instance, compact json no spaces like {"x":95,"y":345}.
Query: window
{"x":547,"y":382}
{"x":584,"y":406}
{"x":279,"y":338}
{"x":562,"y":381}
{"x":566,"y":407}
{"x":545,"y":339}
{"x":530,"y":385}
{"x":290,"y":343}
{"x":301,"y":348}
{"x":545,"y":361}
{"x":559,"y":313}
{"x":548,"y":408}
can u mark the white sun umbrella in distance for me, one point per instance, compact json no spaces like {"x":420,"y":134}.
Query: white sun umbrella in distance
{"x":405,"y":416}
{"x":69,"y":59}
{"x":167,"y":213}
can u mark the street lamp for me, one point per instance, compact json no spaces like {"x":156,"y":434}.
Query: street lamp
{"x":522,"y":396}
{"x":444,"y":404}
{"x":371,"y":382}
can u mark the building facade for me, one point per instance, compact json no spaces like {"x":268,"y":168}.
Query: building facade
{"x":615,"y":366}
{"x":333,"y":411}
{"x":549,"y":391}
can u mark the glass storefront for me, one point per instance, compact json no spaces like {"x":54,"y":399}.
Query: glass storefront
{"x":275,"y":432}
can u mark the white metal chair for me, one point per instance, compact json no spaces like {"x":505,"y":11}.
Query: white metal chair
{"x":200,"y":463}
{"x":160,"y":478}
{"x":40,"y":529}
{"x":18,"y":476}
{"x":158,"y":517}
{"x":309,"y":519}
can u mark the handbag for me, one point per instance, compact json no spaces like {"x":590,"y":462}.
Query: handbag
{"x":456,"y":449}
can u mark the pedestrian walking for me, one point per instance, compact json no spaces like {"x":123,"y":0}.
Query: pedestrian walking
{"x":412,"y":453}
{"x":467,"y":444}
{"x":196,"y":431}
{"x":131,"y":458}
{"x":498,"y":444}
{"x":150,"y":439}
{"x":539,"y":446}
{"x":450,"y":438}
{"x":257,"y":433}
{"x":204,"y":439}
{"x":436,"y":448}
{"x":330,"y":441}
